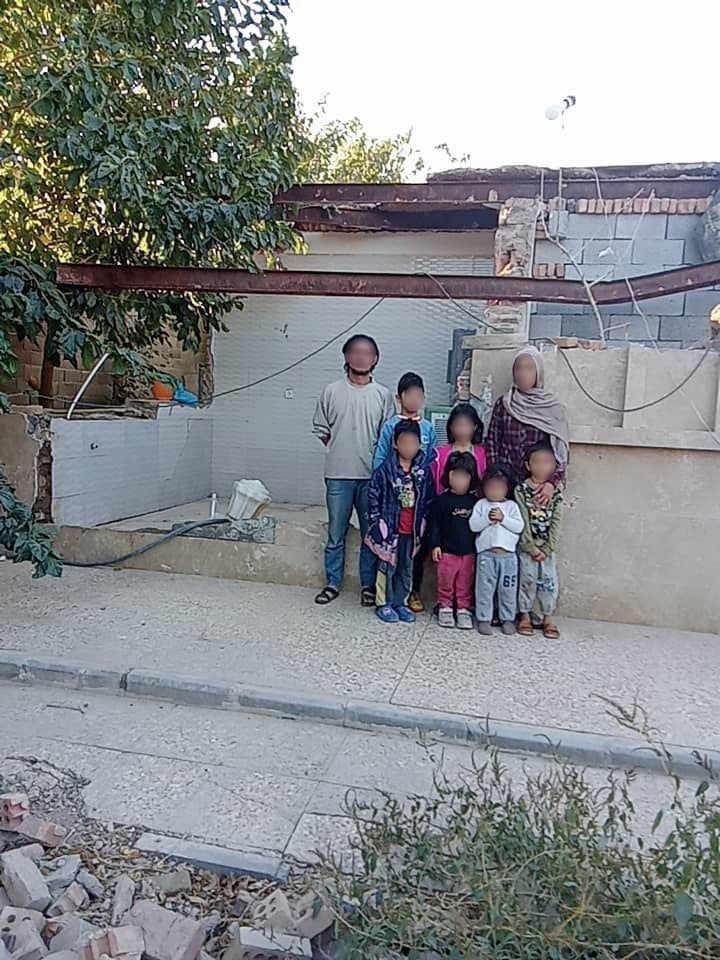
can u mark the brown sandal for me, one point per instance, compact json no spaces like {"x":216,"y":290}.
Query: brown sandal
{"x":525,"y":627}
{"x":550,"y":631}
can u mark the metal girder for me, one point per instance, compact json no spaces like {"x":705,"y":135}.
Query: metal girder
{"x":417,"y":286}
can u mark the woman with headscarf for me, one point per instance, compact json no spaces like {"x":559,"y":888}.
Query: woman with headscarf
{"x":525,"y":415}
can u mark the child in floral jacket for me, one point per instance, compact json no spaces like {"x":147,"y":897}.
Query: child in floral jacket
{"x":399,"y":498}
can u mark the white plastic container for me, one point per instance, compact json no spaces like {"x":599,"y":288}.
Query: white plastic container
{"x":249,"y":499}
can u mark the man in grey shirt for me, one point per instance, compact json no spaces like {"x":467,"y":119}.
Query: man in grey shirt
{"x":348,"y":418}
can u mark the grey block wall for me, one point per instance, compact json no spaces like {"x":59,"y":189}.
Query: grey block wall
{"x":619,"y":246}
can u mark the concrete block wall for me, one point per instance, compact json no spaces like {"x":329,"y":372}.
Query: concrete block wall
{"x":614,"y":246}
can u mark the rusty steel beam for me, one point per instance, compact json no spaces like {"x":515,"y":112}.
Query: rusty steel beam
{"x":417,"y":286}
{"x":478,"y":191}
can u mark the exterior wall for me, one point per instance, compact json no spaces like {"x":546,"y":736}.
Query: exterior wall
{"x":105,"y":470}
{"x":265,"y":432}
{"x":66,"y":381}
{"x":614,"y":246}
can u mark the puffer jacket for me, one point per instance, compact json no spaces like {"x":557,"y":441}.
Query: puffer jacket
{"x":384,"y":505}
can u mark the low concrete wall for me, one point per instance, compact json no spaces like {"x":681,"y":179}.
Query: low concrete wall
{"x":20,"y":443}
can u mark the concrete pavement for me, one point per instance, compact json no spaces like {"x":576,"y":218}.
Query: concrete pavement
{"x":275,"y":637}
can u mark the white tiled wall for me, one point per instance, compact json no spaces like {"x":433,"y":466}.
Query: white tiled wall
{"x":105,"y":470}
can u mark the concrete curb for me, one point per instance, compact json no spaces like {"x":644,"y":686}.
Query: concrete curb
{"x":590,"y":749}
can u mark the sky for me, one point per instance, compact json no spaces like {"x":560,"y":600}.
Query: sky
{"x":479,"y":76}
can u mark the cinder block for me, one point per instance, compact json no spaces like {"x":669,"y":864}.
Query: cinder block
{"x":254,"y":945}
{"x":312,"y":915}
{"x":168,"y":936}
{"x":35,"y":851}
{"x":672,"y":304}
{"x":591,"y":272}
{"x":658,"y":251}
{"x":12,"y":917}
{"x":589,"y":226}
{"x":273,"y":913}
{"x":614,"y":251}
{"x":583,"y":326}
{"x":545,"y":326}
{"x":27,"y":944}
{"x":634,"y":225}
{"x":23,"y":881}
{"x":624,"y":327}
{"x":689,"y":329}
{"x":681,"y":226}
{"x":701,"y":302}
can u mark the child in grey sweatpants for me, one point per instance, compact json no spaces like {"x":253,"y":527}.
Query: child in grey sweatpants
{"x":497,"y":522}
{"x":538,"y":542}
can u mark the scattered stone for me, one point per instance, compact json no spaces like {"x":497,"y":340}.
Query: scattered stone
{"x":65,"y":955}
{"x":273,"y":913}
{"x":91,"y":884}
{"x":122,"y":898}
{"x":74,"y":898}
{"x":12,"y":917}
{"x":121,"y":943}
{"x":168,"y":936}
{"x":4,"y":952}
{"x":23,"y":882}
{"x":60,"y":873}
{"x":251,"y":944}
{"x":212,"y":921}
{"x":44,"y":831}
{"x":34,"y":851}
{"x":69,"y":933}
{"x":179,"y":881}
{"x":312,"y":915}
{"x":14,"y":808}
{"x":25,"y":943}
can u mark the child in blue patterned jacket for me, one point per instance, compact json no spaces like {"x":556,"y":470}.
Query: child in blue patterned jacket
{"x":399,"y":498}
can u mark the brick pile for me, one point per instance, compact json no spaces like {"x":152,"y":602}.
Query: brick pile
{"x":54,"y":908}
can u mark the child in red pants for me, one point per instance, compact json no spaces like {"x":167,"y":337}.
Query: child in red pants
{"x":452,"y":541}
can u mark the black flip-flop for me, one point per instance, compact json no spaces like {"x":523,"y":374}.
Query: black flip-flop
{"x":367,"y":597}
{"x":327,"y":595}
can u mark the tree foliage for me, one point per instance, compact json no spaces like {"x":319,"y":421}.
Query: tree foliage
{"x":341,"y":151}
{"x":137,"y":133}
{"x":23,"y":537}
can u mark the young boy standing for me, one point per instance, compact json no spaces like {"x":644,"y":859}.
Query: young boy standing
{"x":399,"y":498}
{"x":411,"y":398}
{"x":538,"y":542}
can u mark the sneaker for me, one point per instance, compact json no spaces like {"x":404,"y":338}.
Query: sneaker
{"x":508,"y":628}
{"x":446,"y":618}
{"x":387,"y":614}
{"x":464,"y":620}
{"x":484,"y":628}
{"x":415,"y":602}
{"x":405,"y":614}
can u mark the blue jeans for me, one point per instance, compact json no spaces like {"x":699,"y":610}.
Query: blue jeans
{"x":394,"y":583}
{"x":341,"y":496}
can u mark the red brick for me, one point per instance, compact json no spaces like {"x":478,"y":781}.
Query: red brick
{"x":44,"y":831}
{"x":168,"y":936}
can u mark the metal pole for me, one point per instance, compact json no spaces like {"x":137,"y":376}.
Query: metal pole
{"x":84,"y":386}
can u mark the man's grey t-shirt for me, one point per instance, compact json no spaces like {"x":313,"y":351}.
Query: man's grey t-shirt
{"x":351,"y":416}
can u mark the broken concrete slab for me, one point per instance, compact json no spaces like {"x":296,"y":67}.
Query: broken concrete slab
{"x":12,"y":917}
{"x":74,"y":898}
{"x":25,"y":943}
{"x":23,"y":882}
{"x":91,"y":884}
{"x":60,"y":873}
{"x":178,"y":881}
{"x":69,"y":933}
{"x":168,"y":935}
{"x":251,"y":944}
{"x":122,"y":898}
{"x":34,"y":851}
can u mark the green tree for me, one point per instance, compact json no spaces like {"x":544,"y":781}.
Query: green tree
{"x":341,"y":151}
{"x":136,"y":133}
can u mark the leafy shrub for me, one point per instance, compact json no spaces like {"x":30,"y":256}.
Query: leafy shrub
{"x":552,"y":869}
{"x":23,"y":537}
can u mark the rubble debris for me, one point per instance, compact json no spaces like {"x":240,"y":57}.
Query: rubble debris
{"x":4,"y":899}
{"x":14,"y":808}
{"x":44,"y":831}
{"x":35,"y":851}
{"x":168,"y":935}
{"x":60,"y":873}
{"x":70,"y":933}
{"x":65,"y":955}
{"x":119,"y":943}
{"x":251,"y":944}
{"x":25,"y":943}
{"x":273,"y":914}
{"x":4,"y":952}
{"x":12,"y":917}
{"x":91,"y":883}
{"x":178,"y":881}
{"x":23,"y":881}
{"x":122,"y":898}
{"x":312,"y":915}
{"x":74,"y":898}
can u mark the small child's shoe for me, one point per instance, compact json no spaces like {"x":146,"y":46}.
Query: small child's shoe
{"x":387,"y":614}
{"x":415,"y":602}
{"x":405,"y":614}
{"x":464,"y":620}
{"x":508,"y":628}
{"x":484,"y":628}
{"x":446,"y":617}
